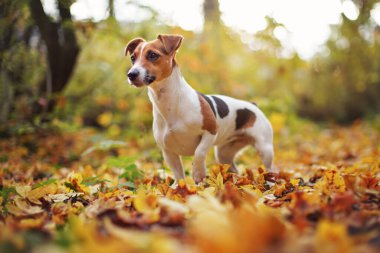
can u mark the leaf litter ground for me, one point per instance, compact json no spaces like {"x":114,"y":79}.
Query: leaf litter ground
{"x":325,"y":199}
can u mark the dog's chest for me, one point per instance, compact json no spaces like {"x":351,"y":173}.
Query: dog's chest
{"x":180,"y":136}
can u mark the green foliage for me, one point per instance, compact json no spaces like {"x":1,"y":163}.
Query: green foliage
{"x":130,"y":170}
{"x":21,"y":64}
{"x":70,"y":186}
{"x":5,"y":194}
{"x":345,"y":84}
{"x":47,"y":182}
{"x":94,"y":180}
{"x":104,"y":146}
{"x":340,"y":84}
{"x":120,"y":162}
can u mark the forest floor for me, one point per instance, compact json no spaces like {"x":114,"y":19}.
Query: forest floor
{"x":61,"y":193}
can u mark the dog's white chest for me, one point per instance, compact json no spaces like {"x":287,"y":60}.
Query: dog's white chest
{"x":179,"y":137}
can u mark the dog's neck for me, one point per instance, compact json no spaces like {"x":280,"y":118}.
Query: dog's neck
{"x":170,"y":93}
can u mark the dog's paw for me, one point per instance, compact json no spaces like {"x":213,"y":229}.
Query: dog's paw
{"x":199,"y":177}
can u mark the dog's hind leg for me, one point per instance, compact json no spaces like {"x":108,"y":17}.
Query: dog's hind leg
{"x":265,"y":149}
{"x":267,"y":155}
{"x":226,"y":153}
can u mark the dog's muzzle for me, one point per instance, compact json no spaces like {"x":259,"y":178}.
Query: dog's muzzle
{"x":135,"y":77}
{"x":133,"y":74}
{"x":149,"y":79}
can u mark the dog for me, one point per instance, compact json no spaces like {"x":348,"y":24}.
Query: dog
{"x":189,"y":123}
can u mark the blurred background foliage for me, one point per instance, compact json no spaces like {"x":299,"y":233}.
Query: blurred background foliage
{"x":56,"y":71}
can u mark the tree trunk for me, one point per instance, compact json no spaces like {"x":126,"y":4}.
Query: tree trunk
{"x":10,"y":30}
{"x":62,"y":52}
{"x":212,"y":27}
{"x":111,"y":9}
{"x":211,"y":12}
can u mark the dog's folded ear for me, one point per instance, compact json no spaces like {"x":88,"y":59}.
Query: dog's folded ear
{"x":131,"y":46}
{"x":171,"y":42}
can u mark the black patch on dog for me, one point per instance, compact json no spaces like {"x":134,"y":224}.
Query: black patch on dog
{"x":221,"y":106}
{"x":244,"y":118}
{"x":149,"y":79}
{"x":209,"y":102}
{"x":254,"y":104}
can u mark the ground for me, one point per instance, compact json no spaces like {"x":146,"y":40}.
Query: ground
{"x":60,"y":192}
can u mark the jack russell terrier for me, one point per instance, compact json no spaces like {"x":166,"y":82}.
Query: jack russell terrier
{"x":189,"y":123}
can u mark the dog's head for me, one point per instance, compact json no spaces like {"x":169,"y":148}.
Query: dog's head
{"x":152,"y":61}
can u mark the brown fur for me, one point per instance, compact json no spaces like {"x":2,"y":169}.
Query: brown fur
{"x":209,"y":120}
{"x":162,"y":68}
{"x":170,"y":42}
{"x":132,"y":45}
{"x":244,"y":118}
{"x":165,"y":46}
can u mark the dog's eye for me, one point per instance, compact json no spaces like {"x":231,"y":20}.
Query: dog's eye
{"x":152,"y":56}
{"x":133,"y":58}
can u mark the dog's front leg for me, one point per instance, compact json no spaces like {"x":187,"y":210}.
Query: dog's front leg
{"x":199,"y":163}
{"x":175,"y":164}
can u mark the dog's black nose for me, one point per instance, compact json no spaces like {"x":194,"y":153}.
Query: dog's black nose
{"x":132,"y":75}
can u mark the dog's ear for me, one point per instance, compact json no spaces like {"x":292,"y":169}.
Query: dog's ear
{"x":171,"y":42}
{"x":131,"y":46}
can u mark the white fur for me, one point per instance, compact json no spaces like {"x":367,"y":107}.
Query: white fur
{"x":177,"y":127}
{"x":138,"y":66}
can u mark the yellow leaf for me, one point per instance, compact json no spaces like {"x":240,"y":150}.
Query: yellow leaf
{"x":35,"y":194}
{"x":23,"y":190}
{"x":114,"y":130}
{"x":105,"y":119}
{"x":181,"y":183}
{"x":332,"y":237}
{"x":33,"y":222}
{"x":147,"y":205}
{"x":139,"y":201}
{"x":75,"y":179}
{"x":219,"y":181}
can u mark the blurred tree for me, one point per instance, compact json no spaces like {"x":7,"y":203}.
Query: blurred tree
{"x":345,"y":85}
{"x":62,"y":51}
{"x":211,"y":12}
{"x":213,"y":43}
{"x":111,"y":9}
{"x":212,"y":21}
{"x":17,"y":61}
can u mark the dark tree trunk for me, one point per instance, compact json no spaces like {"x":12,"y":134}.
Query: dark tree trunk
{"x":111,"y":9}
{"x":62,"y":51}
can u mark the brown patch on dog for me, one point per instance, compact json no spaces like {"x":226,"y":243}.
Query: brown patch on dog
{"x":131,"y":46}
{"x":163,"y":66}
{"x":134,"y":50}
{"x":171,"y":42}
{"x":208,"y":101}
{"x":209,"y":119}
{"x":244,"y":118}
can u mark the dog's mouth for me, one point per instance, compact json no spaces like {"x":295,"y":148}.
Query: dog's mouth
{"x":140,"y":77}
{"x":136,"y":83}
{"x":149,"y":79}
